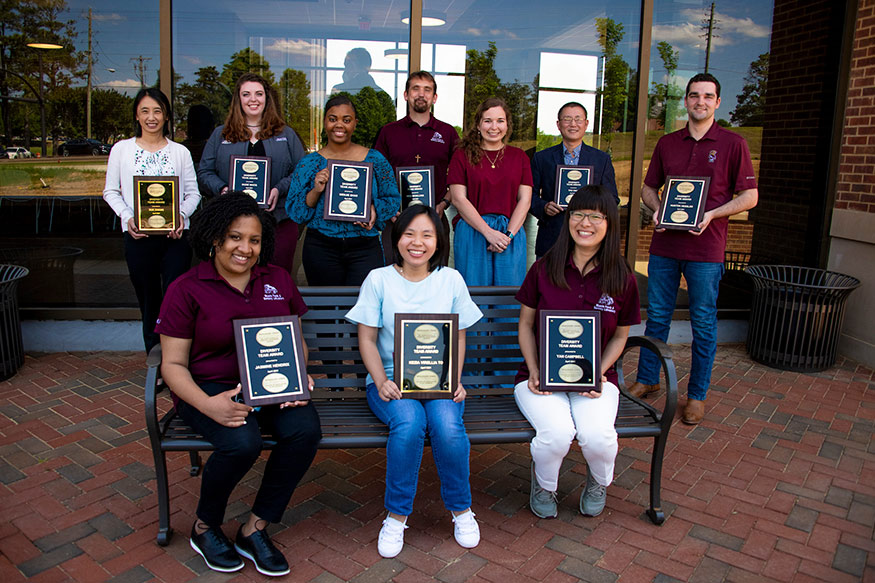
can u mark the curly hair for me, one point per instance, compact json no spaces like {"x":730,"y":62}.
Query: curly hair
{"x":471,"y":141}
{"x":209,"y":226}
{"x":272,"y":123}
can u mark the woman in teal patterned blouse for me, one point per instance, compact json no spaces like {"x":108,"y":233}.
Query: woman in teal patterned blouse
{"x":340,"y":252}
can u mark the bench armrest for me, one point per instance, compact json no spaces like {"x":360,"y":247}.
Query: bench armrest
{"x":664,"y":354}
{"x":153,"y":370}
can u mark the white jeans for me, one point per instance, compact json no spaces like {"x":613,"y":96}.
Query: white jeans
{"x":559,"y":418}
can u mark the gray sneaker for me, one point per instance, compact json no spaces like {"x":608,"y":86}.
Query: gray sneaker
{"x":541,"y":501}
{"x":592,"y":499}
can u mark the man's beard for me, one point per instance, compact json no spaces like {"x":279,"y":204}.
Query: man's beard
{"x":419,"y":105}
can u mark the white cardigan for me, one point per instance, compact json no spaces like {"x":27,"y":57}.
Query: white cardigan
{"x":119,"y":189}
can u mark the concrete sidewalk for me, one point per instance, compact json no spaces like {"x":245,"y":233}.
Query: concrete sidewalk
{"x":777,"y":484}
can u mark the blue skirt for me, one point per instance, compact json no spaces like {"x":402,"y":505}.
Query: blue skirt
{"x":481,"y":267}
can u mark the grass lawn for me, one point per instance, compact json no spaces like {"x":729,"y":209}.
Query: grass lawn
{"x":75,"y":178}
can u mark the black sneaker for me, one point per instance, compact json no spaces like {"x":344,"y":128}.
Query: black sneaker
{"x":216,"y":550}
{"x":258,"y":548}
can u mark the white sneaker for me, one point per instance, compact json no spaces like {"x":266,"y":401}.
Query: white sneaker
{"x":466,"y":530}
{"x":391,"y":539}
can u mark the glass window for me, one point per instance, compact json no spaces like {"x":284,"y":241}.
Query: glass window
{"x":731,"y":41}
{"x":537,"y":58}
{"x":52,"y":217}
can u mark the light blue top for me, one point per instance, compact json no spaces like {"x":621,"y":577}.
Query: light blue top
{"x":385,"y":292}
{"x":387,"y":199}
{"x":572,"y":158}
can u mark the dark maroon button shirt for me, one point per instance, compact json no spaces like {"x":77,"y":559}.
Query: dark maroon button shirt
{"x":200,"y":305}
{"x":584,"y":294}
{"x":722,"y":156}
{"x":403,"y":140}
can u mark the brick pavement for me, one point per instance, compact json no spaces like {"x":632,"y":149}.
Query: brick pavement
{"x":777,"y":484}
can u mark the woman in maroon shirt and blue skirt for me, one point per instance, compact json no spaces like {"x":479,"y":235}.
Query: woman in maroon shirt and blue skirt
{"x":584,"y":270}
{"x":491,"y":187}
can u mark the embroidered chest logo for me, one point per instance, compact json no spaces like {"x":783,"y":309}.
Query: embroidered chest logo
{"x":437,"y":137}
{"x":272,"y":293}
{"x":606,"y":304}
{"x":712,"y":156}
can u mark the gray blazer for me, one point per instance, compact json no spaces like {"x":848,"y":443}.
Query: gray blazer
{"x":284,"y":151}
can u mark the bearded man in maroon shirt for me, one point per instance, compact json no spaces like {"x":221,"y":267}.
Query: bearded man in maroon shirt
{"x":701,"y":149}
{"x":420,"y":139}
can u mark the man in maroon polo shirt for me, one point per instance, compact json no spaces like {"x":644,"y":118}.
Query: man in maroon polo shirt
{"x":701,"y":149}
{"x":419,"y":139}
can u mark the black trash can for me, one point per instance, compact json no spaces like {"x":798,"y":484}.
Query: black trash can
{"x":11,"y":347}
{"x":796,"y":316}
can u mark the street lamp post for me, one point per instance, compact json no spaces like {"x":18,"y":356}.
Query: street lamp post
{"x":42,"y":102}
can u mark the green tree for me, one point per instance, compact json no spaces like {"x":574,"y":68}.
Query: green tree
{"x":481,"y":80}
{"x":208,"y":90}
{"x":613,"y":99}
{"x":750,"y":110}
{"x":375,"y":109}
{"x":245,"y":61}
{"x":27,"y":21}
{"x":522,"y":100}
{"x":111,"y":117}
{"x":294,"y":89}
{"x":665,"y":97}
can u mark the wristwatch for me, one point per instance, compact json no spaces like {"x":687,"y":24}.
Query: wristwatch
{"x":509,"y":234}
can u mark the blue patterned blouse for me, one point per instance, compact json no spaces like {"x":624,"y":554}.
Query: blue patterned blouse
{"x":387,"y":199}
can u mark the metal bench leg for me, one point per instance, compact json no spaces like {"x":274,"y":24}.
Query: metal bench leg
{"x":657,"y":516}
{"x":195,"y":459}
{"x":164,"y":530}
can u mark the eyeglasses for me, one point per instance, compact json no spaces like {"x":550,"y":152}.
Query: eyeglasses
{"x":567,"y":119}
{"x":594,"y":218}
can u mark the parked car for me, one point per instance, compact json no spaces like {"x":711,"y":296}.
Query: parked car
{"x":3,"y":153}
{"x":82,"y":147}
{"x":18,"y":152}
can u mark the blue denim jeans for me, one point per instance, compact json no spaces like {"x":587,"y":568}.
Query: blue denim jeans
{"x":408,"y":421}
{"x":703,"y":283}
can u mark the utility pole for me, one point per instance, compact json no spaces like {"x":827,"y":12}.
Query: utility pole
{"x":709,"y":35}
{"x":140,"y":68}
{"x":90,"y":71}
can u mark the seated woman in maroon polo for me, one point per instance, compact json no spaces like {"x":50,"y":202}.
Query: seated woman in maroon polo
{"x":236,"y":240}
{"x":584,"y":270}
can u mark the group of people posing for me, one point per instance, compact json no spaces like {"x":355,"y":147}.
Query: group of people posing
{"x":246,"y":255}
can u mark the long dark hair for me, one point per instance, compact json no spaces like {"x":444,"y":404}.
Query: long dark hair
{"x":471,"y":141}
{"x":211,"y":224}
{"x":442,"y":249}
{"x":272,"y":123}
{"x":614,"y":268}
{"x":162,"y":100}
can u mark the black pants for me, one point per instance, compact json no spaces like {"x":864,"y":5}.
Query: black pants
{"x":297,"y":432}
{"x":336,"y":261}
{"x":154,"y":262}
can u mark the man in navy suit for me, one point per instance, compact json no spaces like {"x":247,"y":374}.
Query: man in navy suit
{"x":572,"y":124}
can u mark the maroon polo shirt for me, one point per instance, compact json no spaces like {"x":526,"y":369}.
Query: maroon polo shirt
{"x":402,"y":141}
{"x":200,"y":305}
{"x":722,"y":156}
{"x":584,"y":294}
{"x":492,"y":190}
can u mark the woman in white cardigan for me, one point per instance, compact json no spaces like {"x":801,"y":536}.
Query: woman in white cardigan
{"x":153,"y":260}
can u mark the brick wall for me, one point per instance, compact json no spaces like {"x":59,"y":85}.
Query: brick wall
{"x":789,"y":221}
{"x":856,"y":185}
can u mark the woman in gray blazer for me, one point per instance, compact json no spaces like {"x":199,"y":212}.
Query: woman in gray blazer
{"x":255,"y":127}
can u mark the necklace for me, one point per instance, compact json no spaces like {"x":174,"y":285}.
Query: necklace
{"x":497,"y":157}
{"x":255,"y":126}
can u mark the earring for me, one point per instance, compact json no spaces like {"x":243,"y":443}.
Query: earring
{"x":212,"y":251}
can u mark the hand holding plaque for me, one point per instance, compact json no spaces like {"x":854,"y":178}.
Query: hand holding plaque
{"x":570,"y":350}
{"x":416,"y":184}
{"x":683,"y":202}
{"x":251,"y":174}
{"x":348,"y":194}
{"x":570,"y":179}
{"x":156,"y":204}
{"x":426,"y":355}
{"x":270,"y":355}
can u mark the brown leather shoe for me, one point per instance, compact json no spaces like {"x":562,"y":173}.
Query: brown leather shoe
{"x":640,"y":391}
{"x":694,"y":411}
